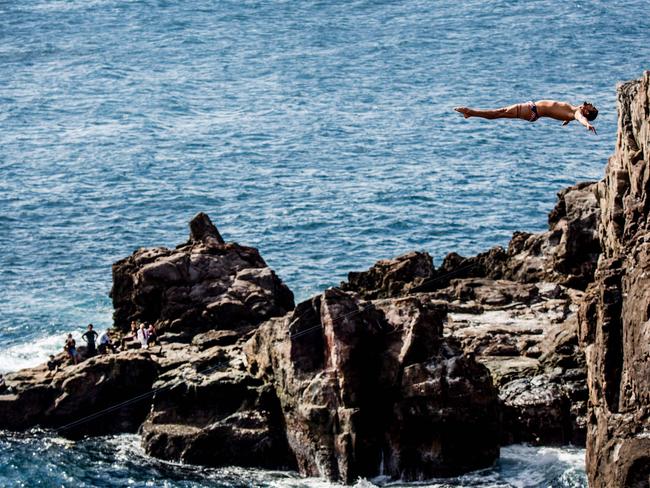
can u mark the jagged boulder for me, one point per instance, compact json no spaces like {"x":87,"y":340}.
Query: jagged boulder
{"x":614,"y":317}
{"x":201,"y":285}
{"x":369,"y":384}
{"x":392,"y":277}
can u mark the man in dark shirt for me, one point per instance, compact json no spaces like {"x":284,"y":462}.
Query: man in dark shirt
{"x":52,"y":364}
{"x":90,"y":336}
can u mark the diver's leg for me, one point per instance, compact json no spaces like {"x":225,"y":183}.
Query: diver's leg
{"x":510,"y":112}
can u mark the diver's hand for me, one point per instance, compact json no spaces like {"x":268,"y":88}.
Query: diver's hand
{"x":592,"y":129}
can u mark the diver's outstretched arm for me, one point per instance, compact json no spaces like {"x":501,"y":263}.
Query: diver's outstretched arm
{"x":583,"y":120}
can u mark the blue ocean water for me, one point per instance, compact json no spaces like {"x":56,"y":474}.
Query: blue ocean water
{"x":319,"y":131}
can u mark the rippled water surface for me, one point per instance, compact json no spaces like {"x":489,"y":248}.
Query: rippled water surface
{"x":319,"y":131}
{"x":119,"y":461}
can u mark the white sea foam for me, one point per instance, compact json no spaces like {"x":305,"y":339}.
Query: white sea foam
{"x":573,"y":457}
{"x":30,"y":354}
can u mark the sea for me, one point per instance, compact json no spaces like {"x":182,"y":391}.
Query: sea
{"x":321,"y":132}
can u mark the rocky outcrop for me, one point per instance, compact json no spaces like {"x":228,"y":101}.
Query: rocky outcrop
{"x":68,"y":399}
{"x":614,"y":317}
{"x":516,"y":312}
{"x":201,"y":285}
{"x":190,"y":396}
{"x":207,"y":296}
{"x":371,"y":388}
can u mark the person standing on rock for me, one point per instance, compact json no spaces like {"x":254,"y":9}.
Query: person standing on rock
{"x":531,"y":111}
{"x":143,"y":336}
{"x":70,"y":347}
{"x":90,"y":336}
{"x":152,"y":336}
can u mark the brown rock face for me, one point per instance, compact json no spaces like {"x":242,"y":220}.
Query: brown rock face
{"x":372,"y":386}
{"x":210,"y":411}
{"x":515,"y":310}
{"x":204,"y":284}
{"x":614,"y":317}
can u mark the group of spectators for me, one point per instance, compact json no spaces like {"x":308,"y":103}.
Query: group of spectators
{"x":90,"y":336}
{"x":145,"y":336}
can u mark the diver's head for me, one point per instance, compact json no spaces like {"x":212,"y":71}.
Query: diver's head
{"x":589,"y":111}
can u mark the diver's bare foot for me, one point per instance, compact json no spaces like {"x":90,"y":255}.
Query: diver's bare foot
{"x":463,"y":110}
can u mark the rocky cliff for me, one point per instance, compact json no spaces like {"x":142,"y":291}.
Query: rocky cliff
{"x":614,"y":318}
{"x":372,"y":387}
{"x":406,"y":370}
{"x":191,"y":396}
{"x":340,"y":387}
{"x":515,"y":310}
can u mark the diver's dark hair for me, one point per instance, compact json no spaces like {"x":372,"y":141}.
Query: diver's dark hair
{"x":592,"y":113}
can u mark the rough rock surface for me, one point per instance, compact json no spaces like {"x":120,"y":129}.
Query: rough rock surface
{"x":194,"y":400}
{"x":614,"y":318}
{"x":62,"y":399}
{"x":526,"y":334}
{"x":203,"y":284}
{"x":369,"y":384}
{"x":392,"y":277}
{"x":503,"y":312}
{"x":210,"y":411}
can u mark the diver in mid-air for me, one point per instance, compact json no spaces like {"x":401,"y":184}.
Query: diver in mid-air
{"x":532,"y":111}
